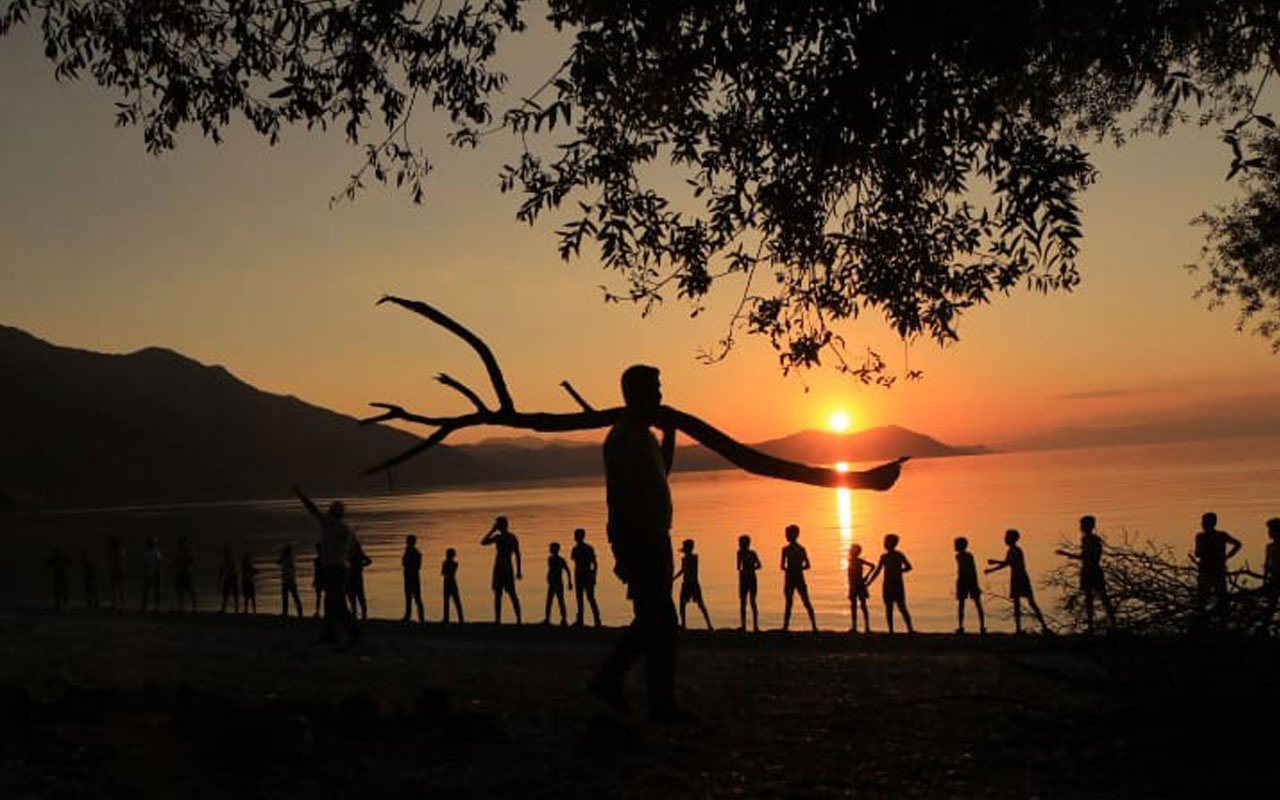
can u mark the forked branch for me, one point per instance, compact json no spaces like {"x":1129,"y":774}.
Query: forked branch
{"x":506,"y":415}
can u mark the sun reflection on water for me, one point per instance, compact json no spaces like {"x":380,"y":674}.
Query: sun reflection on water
{"x":844,"y":517}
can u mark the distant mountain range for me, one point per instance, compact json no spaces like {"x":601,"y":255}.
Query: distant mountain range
{"x":1188,"y":428}
{"x":82,"y":428}
{"x":79,"y":428}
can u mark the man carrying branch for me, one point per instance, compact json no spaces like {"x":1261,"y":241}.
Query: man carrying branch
{"x":639,"y":528}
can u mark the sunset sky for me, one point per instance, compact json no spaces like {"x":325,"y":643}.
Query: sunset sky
{"x":232,"y":256}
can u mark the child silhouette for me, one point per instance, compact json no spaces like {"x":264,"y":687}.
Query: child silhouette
{"x":557,"y":569}
{"x":967,"y":585}
{"x":748,"y":588}
{"x":893,"y":565}
{"x":858,"y":585}
{"x":794,"y":563}
{"x":690,"y":588}
{"x":1019,"y":580}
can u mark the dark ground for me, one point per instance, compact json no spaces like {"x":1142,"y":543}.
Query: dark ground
{"x":211,"y":706}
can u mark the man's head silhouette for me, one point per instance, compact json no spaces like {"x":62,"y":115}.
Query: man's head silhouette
{"x":642,"y":391}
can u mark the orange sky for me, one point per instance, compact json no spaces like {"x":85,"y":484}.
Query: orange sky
{"x":232,"y":256}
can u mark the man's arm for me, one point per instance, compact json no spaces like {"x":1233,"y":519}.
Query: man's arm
{"x":1069,"y":554}
{"x":306,"y":501}
{"x":906,"y":565}
{"x":519,"y":562}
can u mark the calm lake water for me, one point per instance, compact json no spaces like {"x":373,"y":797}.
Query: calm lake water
{"x":1150,"y":491}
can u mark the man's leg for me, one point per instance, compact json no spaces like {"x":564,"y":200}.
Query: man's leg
{"x":656,"y":621}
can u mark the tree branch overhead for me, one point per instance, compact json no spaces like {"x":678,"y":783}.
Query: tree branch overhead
{"x":590,"y":418}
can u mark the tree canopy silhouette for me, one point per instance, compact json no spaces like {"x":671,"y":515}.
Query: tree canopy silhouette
{"x":839,"y":157}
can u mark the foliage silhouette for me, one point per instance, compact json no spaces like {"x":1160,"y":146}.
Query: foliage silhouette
{"x":1153,"y":589}
{"x":834,"y":151}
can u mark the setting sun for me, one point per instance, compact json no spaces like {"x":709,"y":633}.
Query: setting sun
{"x":839,"y":422}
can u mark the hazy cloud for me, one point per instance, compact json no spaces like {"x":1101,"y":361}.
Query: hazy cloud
{"x":1096,"y":395}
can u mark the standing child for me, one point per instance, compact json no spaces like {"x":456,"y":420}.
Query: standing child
{"x":794,"y":563}
{"x":557,"y":569}
{"x":449,"y":570}
{"x":1019,"y":580}
{"x":90,"y":572}
{"x":60,"y":563}
{"x":893,"y":564}
{"x":115,"y":572}
{"x":357,"y":561}
{"x":248,"y":582}
{"x":151,"y":559}
{"x":967,"y":585}
{"x":1092,"y":579}
{"x":288,"y":580}
{"x":1213,"y":549}
{"x":585,"y":566}
{"x":858,"y":586}
{"x":690,"y":588}
{"x":183,"y":575}
{"x":1270,"y":576}
{"x":748,"y":587}
{"x":411,"y":566}
{"x":317,"y":580}
{"x":229,"y":580}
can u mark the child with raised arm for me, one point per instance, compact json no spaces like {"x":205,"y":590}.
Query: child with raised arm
{"x":334,"y":551}
{"x":1019,"y":580}
{"x":893,"y":565}
{"x":506,"y":548}
{"x":585,"y":567}
{"x":1092,"y":580}
{"x":557,"y":569}
{"x":690,"y":588}
{"x":967,"y":585}
{"x":794,"y":563}
{"x":449,"y":571}
{"x":858,"y":586}
{"x":748,"y":587}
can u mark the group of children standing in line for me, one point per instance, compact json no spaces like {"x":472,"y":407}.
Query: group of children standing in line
{"x":1213,"y":548}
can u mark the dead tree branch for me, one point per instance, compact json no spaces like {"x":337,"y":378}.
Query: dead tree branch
{"x":744,"y":457}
